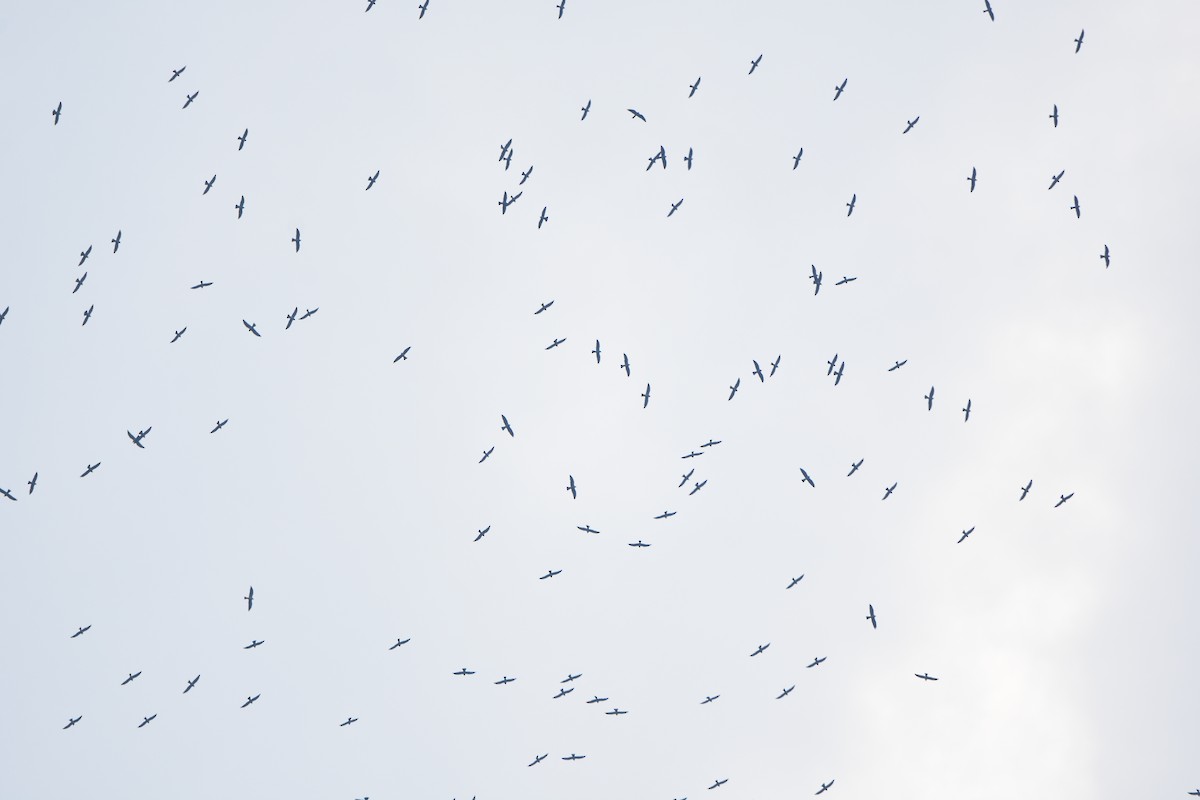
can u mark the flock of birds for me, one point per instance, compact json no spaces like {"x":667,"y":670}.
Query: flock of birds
{"x":835,"y":370}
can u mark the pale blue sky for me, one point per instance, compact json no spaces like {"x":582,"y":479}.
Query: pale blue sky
{"x":346,"y":488}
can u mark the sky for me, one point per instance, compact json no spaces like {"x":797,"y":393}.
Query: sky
{"x":347,"y":488}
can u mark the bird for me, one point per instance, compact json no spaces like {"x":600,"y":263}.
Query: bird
{"x":245,"y":135}
{"x":506,"y":427}
{"x":850,"y":205}
{"x":1062,"y":498}
{"x":965,"y":534}
{"x":371,"y":180}
{"x":837,"y":376}
{"x":400,"y":642}
{"x":291,"y":318}
{"x":525,"y":175}
{"x":537,"y":759}
{"x":90,"y":469}
{"x":1054,"y":179}
{"x":967,"y":410}
{"x":785,"y":692}
{"x":807,"y":479}
{"x":486,"y":453}
{"x":220,"y":424}
{"x":83,"y":256}
{"x":636,"y":114}
{"x":132,"y":676}
{"x":572,"y":757}
{"x":688,"y":159}
{"x":505,"y":680}
{"x":825,"y":787}
{"x":423,"y":8}
{"x":562,"y":4}
{"x":309,"y":312}
{"x":543,"y":218}
{"x":296,"y":240}
{"x":240,"y":206}
{"x":625,"y":364}
{"x":596,"y":351}
{"x":250,"y":327}
{"x":708,"y":699}
{"x":598,"y":699}
{"x":563,"y":693}
{"x":571,"y":486}
{"x":250,"y":700}
{"x":693,"y":87}
{"x":760,"y":649}
{"x":175,"y":73}
{"x":840,"y":88}
{"x":504,"y":148}
{"x":543,"y":308}
{"x":4,"y":314}
{"x":1075,"y":205}
{"x":638,"y":543}
{"x":190,"y":98}
{"x":675,"y":207}
{"x":816,"y":662}
{"x":925,"y":677}
{"x":116,"y":243}
{"x":191,"y":684}
{"x":585,"y":109}
{"x":1196,"y":793}
{"x":889,"y":490}
{"x":81,"y":631}
{"x":1025,"y":490}
{"x":138,"y":439}
{"x":661,"y":155}
{"x":1079,"y":41}
{"x":8,"y":493}
{"x":646,"y":396}
{"x":717,"y":783}
{"x":794,"y":581}
{"x":733,"y":389}
{"x":668,"y":514}
{"x":897,"y":365}
{"x":349,"y":721}
{"x":555,"y":343}
{"x":32,"y":483}
{"x":1104,"y":256}
{"x":871,"y":615}
{"x":253,"y":644}
{"x":831,"y":363}
{"x":972,"y":179}
{"x":550,"y":573}
{"x":1054,"y":115}
{"x":249,"y":598}
{"x":929,"y":399}
{"x":208,"y":184}
{"x":796,"y":159}
{"x":464,"y":671}
{"x":79,"y":282}
{"x":403,"y":355}
{"x":146,"y":720}
{"x":615,"y":712}
{"x":911,"y":124}
{"x":57,"y":112}
{"x":987,"y":9}
{"x":507,"y":201}
{"x":71,"y":721}
{"x":854,"y":467}
{"x":754,"y":64}
{"x":693,"y":454}
{"x":586,"y":529}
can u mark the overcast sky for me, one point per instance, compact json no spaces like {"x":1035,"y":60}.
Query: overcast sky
{"x":347,"y":489}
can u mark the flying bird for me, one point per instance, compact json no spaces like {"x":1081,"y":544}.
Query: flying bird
{"x":571,"y":677}
{"x":571,"y":486}
{"x":774,"y":366}
{"x":796,"y":159}
{"x":132,"y":676}
{"x":572,"y":757}
{"x":754,"y":64}
{"x":965,"y":534}
{"x":309,"y":312}
{"x":615,"y":712}
{"x":967,"y":410}
{"x":807,"y":479}
{"x":208,"y":184}
{"x":1054,"y":115}
{"x":708,"y":699}
{"x":250,"y":700}
{"x":91,"y":468}
{"x":190,"y":98}
{"x":240,"y":206}
{"x":550,"y":573}
{"x":116,"y":243}
{"x":543,"y":308}
{"x":1025,"y":490}
{"x":562,"y":4}
{"x":929,"y":399}
{"x":911,"y":124}
{"x":253,"y":644}
{"x":733,"y":389}
{"x":464,"y":671}
{"x":245,"y":135}
{"x":636,"y":114}
{"x":825,"y":787}
{"x":83,"y":256}
{"x":972,"y":179}
{"x":249,"y":598}
{"x":505,"y":680}
{"x":760,"y":649}
{"x":719,"y":783}
{"x":483,"y":532}
{"x":597,"y":699}
{"x":585,"y":110}
{"x":987,"y":9}
{"x":220,"y":424}
{"x":32,"y":483}
{"x":291,"y":318}
{"x":1104,"y":256}
{"x":507,"y":201}
{"x":925,"y":677}
{"x":840,"y":88}
{"x":403,"y":355}
{"x":625,"y":364}
{"x":698,"y":487}
{"x":525,"y":175}
{"x":646,"y":396}
{"x":486,"y":453}
{"x":785,"y":692}
{"x":871,"y":615}
{"x":537,"y":759}
{"x":1079,"y":41}
{"x":57,"y":112}
{"x":897,"y":365}
{"x":888,"y":492}
{"x":555,"y":343}
{"x":175,"y":73}
{"x":693,"y":88}
{"x":349,"y":721}
{"x":675,"y":207}
{"x":794,"y":581}
{"x":596,"y":351}
{"x":71,"y":721}
{"x":252,"y":328}
{"x":846,"y":280}
{"x":81,"y":631}
{"x":8,"y":493}
{"x":854,"y":467}
{"x":146,"y":720}
{"x":668,"y":514}
{"x":371,"y":180}
{"x":563,"y":693}
{"x":543,"y":218}
{"x":506,"y":427}
{"x":1062,"y":498}
{"x":837,"y":376}
{"x":4,"y":314}
{"x":296,"y":240}
{"x":850,"y":205}
{"x":1054,"y":179}
{"x":688,"y":159}
{"x":757,"y":371}
{"x":138,"y":439}
{"x":1075,"y":205}
{"x":423,"y":8}
{"x":79,"y":282}
{"x":191,"y":684}
{"x":586,"y":529}
{"x":816,"y":662}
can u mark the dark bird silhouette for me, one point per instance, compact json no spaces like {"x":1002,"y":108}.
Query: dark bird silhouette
{"x":1054,"y":115}
{"x":1079,"y":41}
{"x":668,"y":514}
{"x":116,"y":242}
{"x":911,"y":124}
{"x":525,"y":175}
{"x":208,"y":184}
{"x":675,"y":207}
{"x":1025,"y":490}
{"x":403,"y":355}
{"x":850,"y":205}
{"x":81,"y":631}
{"x":596,"y":351}
{"x":79,"y":282}
{"x":296,"y":240}
{"x":555,"y":344}
{"x":240,"y":206}
{"x":1075,"y":205}
{"x":646,"y":396}
{"x":854,"y":467}
{"x":636,"y":114}
{"x":825,"y":787}
{"x":249,"y":598}
{"x":761,"y":648}
{"x":537,"y":759}
{"x":837,"y":376}
{"x":32,"y":483}
{"x":925,"y":677}
{"x":506,"y":427}
{"x":987,"y":9}
{"x":83,"y":256}
{"x":794,"y":581}
{"x":708,"y":699}
{"x":400,"y":642}
{"x":965,"y":534}
{"x":253,"y":644}
{"x":693,"y":454}
{"x":625,"y":364}
{"x":250,"y":700}
{"x":688,"y":159}
{"x":132,"y":677}
{"x":733,"y":389}
{"x":698,"y":487}
{"x":563,"y":693}
{"x":586,"y":529}
{"x":807,"y":479}
{"x":147,"y":720}
{"x":190,"y":98}
{"x":486,"y":453}
{"x":572,"y":757}
{"x":308,"y":313}
{"x":693,"y":87}
{"x":929,"y":399}
{"x":585,"y":110}
{"x":57,"y":112}
{"x":71,"y":721}
{"x":481,"y":533}
{"x":291,"y":318}
{"x":91,"y":468}
{"x":175,"y":73}
{"x":7,"y":493}
{"x":220,"y":424}
{"x":550,"y":573}
{"x":831,"y":363}
{"x":972,"y":179}
{"x":638,"y":543}
{"x":1054,"y":179}
{"x":137,"y":440}
{"x":571,"y":486}
{"x":503,"y":681}
{"x":888,"y":492}
{"x":250,"y":327}
{"x":1105,"y":257}
{"x":423,"y":8}
{"x":191,"y":684}
{"x":785,"y":692}
{"x":1062,"y":498}
{"x":543,"y":218}
{"x":371,"y":180}
{"x":597,"y":699}
{"x":967,"y":411}
{"x":871,"y":615}
{"x":897,"y":365}
{"x":349,"y":721}
{"x":796,"y":159}
{"x":816,"y":662}
{"x":719,"y":783}
{"x":571,"y":677}
{"x":757,"y":371}
{"x":661,"y":155}
{"x":615,"y":712}
{"x":562,"y":4}
{"x":4,"y":314}
{"x":841,"y":87}
{"x":543,"y":308}
{"x":845,"y":280}
{"x":507,"y":201}
{"x":754,"y":64}
{"x":245,"y":135}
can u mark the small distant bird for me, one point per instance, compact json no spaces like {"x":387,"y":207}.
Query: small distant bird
{"x":888,"y":492}
{"x":596,"y":351}
{"x":81,"y":631}
{"x":403,"y":355}
{"x":774,"y":366}
{"x":1062,"y":498}
{"x":57,"y":112}
{"x":4,"y":314}
{"x":190,"y":98}
{"x":423,"y":8}
{"x":504,"y":148}
{"x":625,"y":364}
{"x":796,"y":159}
{"x":733,"y":389}
{"x":638,"y":543}
{"x":785,"y":692}
{"x":242,"y":139}
{"x":1054,"y":115}
{"x":146,"y":720}
{"x":349,"y":721}
{"x":708,"y":699}
{"x":675,"y":207}
{"x":925,"y":677}
{"x":807,"y":479}
{"x":967,"y":410}
{"x":897,"y":365}
{"x":138,"y":439}
{"x":837,"y":376}
{"x":754,"y":64}
{"x":506,"y":201}
{"x":208,"y":184}
{"x":636,"y":114}
{"x":562,"y":4}
{"x":760,"y":649}
{"x":537,"y":759}
{"x":370,"y":5}
{"x":987,"y":9}
{"x":693,"y":88}
{"x":506,"y":427}
{"x":598,"y":699}
{"x":854,"y":467}
{"x":486,"y":453}
{"x":1075,"y":205}
{"x":646,"y":396}
{"x":309,"y":312}
{"x":253,"y":644}
{"x":911,"y":124}
{"x":669,"y":514}
{"x":929,"y":399}
{"x":371,"y":181}
{"x":555,"y":344}
{"x":1104,"y":256}
{"x":87,"y":315}
{"x":240,"y":206}
{"x":794,"y":581}
{"x":543,"y":218}
{"x":719,"y":783}
{"x":191,"y":684}
{"x":543,"y":308}
{"x":840,"y":88}
{"x":616,"y":712}
{"x":850,"y":205}
{"x":83,"y":256}
{"x":252,"y":328}
{"x":32,"y":483}
{"x":249,"y":598}
{"x":585,"y":110}
{"x":71,"y":721}
{"x":571,"y":677}
{"x":1079,"y":41}
{"x":832,"y":363}
{"x":871,"y":615}
{"x":972,"y":179}
{"x":525,"y":176}
{"x":175,"y":73}
{"x":692,"y":454}
{"x":250,"y":700}
{"x":296,"y":240}
{"x":1025,"y":490}
{"x":688,"y":159}
{"x":550,"y":573}
{"x":132,"y":677}
{"x":698,"y":487}
{"x":90,"y":469}
{"x":220,"y":424}
{"x":1054,"y":179}
{"x":483,"y":533}
{"x":291,"y":318}
{"x":586,"y":529}
{"x":965,"y":534}
{"x":8,"y":493}
{"x":563,"y":693}
{"x":572,"y":757}
{"x":846,"y":280}
{"x":400,"y":642}
{"x":825,"y":787}
{"x":661,"y":155}
{"x":505,"y":680}
{"x":116,"y":243}
{"x":571,"y":486}
{"x":79,"y":282}
{"x":816,"y":662}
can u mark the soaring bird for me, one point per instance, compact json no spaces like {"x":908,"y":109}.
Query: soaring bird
{"x":1062,"y":498}
{"x":57,"y":112}
{"x":71,"y":721}
{"x":371,"y":180}
{"x":1079,"y":41}
{"x":190,"y":98}
{"x":1054,"y":115}
{"x":636,"y":114}
{"x":251,"y":327}
{"x":929,"y":399}
{"x":249,"y":598}
{"x":840,"y":88}
{"x":1105,"y":257}
{"x":296,"y":240}
{"x":911,"y":124}
{"x":220,"y":424}
{"x":646,"y":396}
{"x":733,"y":389}
{"x":81,"y":631}
{"x":967,"y":411}
{"x":242,"y":139}
{"x":871,"y":615}
{"x":987,"y":9}
{"x":571,"y":486}
{"x":754,"y":64}
{"x":403,"y":355}
{"x":972,"y":179}
{"x":208,"y":184}
{"x":693,"y":87}
{"x":250,"y":700}
{"x":506,"y":427}
{"x":850,"y":205}
{"x":191,"y":684}
{"x":175,"y":73}
{"x":675,"y":207}
{"x":1025,"y":490}
{"x":146,"y":720}
{"x":116,"y":242}
{"x":1075,"y":205}
{"x":585,"y":110}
